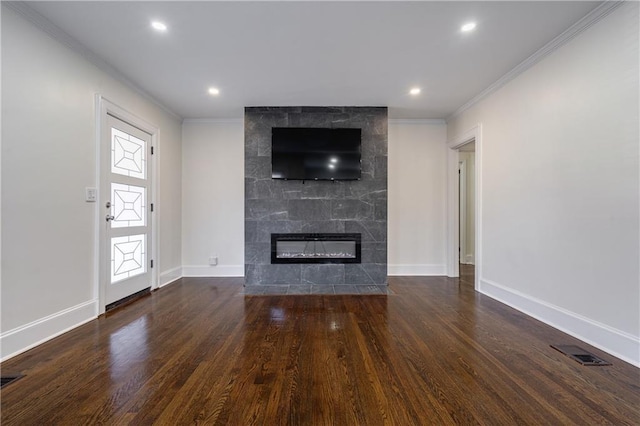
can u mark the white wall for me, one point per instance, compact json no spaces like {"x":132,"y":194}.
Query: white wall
{"x":213,"y":197}
{"x":417,"y":197}
{"x":48,"y":158}
{"x":560,"y":187}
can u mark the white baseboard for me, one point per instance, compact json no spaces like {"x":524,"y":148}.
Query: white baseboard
{"x":25,"y":337}
{"x":169,"y":276}
{"x":615,"y":342}
{"x":213,"y":271}
{"x":468,"y":260}
{"x":419,"y":270}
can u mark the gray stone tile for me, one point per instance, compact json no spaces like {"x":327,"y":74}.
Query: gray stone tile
{"x":380,"y":167}
{"x":257,"y":253}
{"x":259,"y":110}
{"x":351,"y":210}
{"x":322,"y":289}
{"x":377,"y":145}
{"x":365,"y":273}
{"x":250,"y":189}
{"x":250,"y":145}
{"x":370,"y":289}
{"x":257,"y":274}
{"x":250,"y":231}
{"x":310,"y":119}
{"x":371,"y":231}
{"x":327,"y":190}
{"x":299,"y":289}
{"x":367,"y":166}
{"x":276,"y":289}
{"x":291,"y":189}
{"x":330,"y":274}
{"x":345,"y":289}
{"x":380,"y":210}
{"x":279,"y":206}
{"x":309,"y":210}
{"x":266,"y":210}
{"x":251,"y":275}
{"x":367,"y":190}
{"x":280,"y":274}
{"x":318,"y":227}
{"x":377,"y":272}
{"x":374,"y":253}
{"x":264,"y":229}
{"x":253,"y":289}
{"x":355,"y":274}
{"x":262,"y":189}
{"x":377,"y":110}
{"x":323,"y":109}
{"x":257,"y":167}
{"x":341,"y":121}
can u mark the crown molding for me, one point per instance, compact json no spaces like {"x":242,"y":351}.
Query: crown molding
{"x":587,"y":21}
{"x":58,"y":34}
{"x":417,"y":121}
{"x":213,"y":120}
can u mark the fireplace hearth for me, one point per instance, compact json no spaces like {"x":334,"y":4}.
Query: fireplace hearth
{"x":315,"y":248}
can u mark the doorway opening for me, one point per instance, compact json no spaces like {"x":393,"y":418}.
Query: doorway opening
{"x":464,"y":212}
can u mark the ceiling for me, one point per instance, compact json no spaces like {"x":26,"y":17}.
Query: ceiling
{"x":313,"y":53}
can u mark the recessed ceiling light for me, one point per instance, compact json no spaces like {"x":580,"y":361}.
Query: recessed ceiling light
{"x":469,"y":26}
{"x":214,"y":91}
{"x":415,"y":91}
{"x":334,"y":160}
{"x":159,"y":26}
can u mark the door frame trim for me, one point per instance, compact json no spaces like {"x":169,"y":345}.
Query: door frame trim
{"x":453,"y":201}
{"x":104,"y":106}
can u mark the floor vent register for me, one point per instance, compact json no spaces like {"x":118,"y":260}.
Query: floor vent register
{"x":580,"y":355}
{"x":4,"y":381}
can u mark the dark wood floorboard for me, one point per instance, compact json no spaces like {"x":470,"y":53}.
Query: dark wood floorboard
{"x":200,"y":352}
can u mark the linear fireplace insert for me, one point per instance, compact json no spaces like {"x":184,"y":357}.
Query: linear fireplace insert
{"x":315,"y":248}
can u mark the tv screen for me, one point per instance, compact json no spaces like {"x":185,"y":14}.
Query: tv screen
{"x":315,"y":154}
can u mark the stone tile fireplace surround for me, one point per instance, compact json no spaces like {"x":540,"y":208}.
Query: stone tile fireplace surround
{"x":281,"y":206}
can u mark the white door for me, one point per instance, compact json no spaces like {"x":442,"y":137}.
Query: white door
{"x":125,"y":193}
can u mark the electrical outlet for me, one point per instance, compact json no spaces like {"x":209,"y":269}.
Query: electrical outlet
{"x":213,"y":260}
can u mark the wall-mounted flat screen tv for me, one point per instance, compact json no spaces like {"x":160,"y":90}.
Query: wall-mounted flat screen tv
{"x":315,"y":153}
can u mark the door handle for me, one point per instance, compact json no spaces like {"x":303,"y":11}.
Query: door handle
{"x":109,"y":218}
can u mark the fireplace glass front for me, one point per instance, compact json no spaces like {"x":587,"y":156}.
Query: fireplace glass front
{"x":315,"y":248}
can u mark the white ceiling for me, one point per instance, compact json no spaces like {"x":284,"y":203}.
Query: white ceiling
{"x":313,"y":53}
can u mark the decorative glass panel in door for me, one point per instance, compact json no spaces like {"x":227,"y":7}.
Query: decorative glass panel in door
{"x":127,"y":218}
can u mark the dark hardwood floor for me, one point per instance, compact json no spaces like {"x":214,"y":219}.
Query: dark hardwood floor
{"x":200,"y":352}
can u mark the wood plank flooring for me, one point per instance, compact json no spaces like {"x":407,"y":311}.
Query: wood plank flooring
{"x":200,"y":352}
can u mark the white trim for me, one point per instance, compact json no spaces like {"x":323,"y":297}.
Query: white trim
{"x":615,"y":342}
{"x":167,"y":277}
{"x":468,"y":260}
{"x":104,"y":106}
{"x":417,"y":270}
{"x":213,"y":121}
{"x":453,"y":256}
{"x":61,"y":36}
{"x":25,"y":337}
{"x":432,"y":121}
{"x":213,"y":271}
{"x":587,"y":21}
